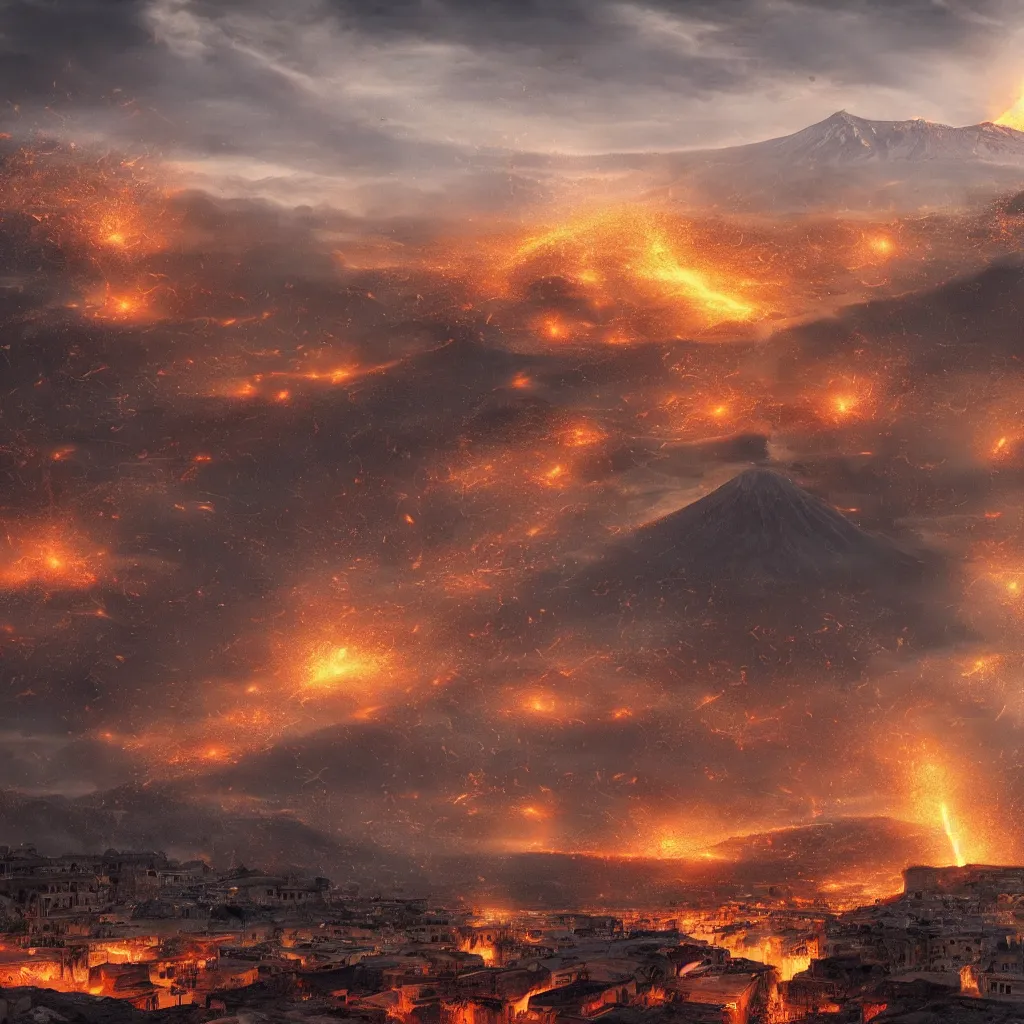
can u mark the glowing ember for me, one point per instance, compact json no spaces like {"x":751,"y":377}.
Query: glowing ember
{"x":554,"y":329}
{"x":50,"y":562}
{"x":984,"y":665}
{"x":1002,"y":447}
{"x":554,"y":475}
{"x":123,"y":306}
{"x":540,"y":704}
{"x":849,"y":399}
{"x":338,"y":668}
{"x":534,"y":813}
{"x":267,"y":386}
{"x":583,"y":436}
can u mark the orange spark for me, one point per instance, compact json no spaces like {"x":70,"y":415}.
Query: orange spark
{"x":704,"y":702}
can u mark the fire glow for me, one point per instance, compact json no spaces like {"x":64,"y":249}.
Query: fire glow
{"x":392,"y":460}
{"x":639,"y":251}
{"x":332,"y":669}
{"x":50,"y":559}
{"x":954,"y":841}
{"x":1013,"y":117}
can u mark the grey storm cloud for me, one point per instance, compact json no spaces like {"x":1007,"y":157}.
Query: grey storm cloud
{"x":320,"y":93}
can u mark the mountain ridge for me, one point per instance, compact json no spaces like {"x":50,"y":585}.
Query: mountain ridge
{"x":759,"y":578}
{"x":843,"y":162}
{"x":852,"y":163}
{"x":162,"y":817}
{"x":845,"y":137}
{"x":760,"y":525}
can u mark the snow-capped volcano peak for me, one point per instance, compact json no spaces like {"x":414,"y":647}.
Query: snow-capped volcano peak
{"x":844,"y":138}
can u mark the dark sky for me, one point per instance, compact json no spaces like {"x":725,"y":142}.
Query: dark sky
{"x":311,"y":97}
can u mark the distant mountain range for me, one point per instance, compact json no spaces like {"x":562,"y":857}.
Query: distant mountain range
{"x":156,"y":817}
{"x":844,"y":139}
{"x":843,"y":162}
